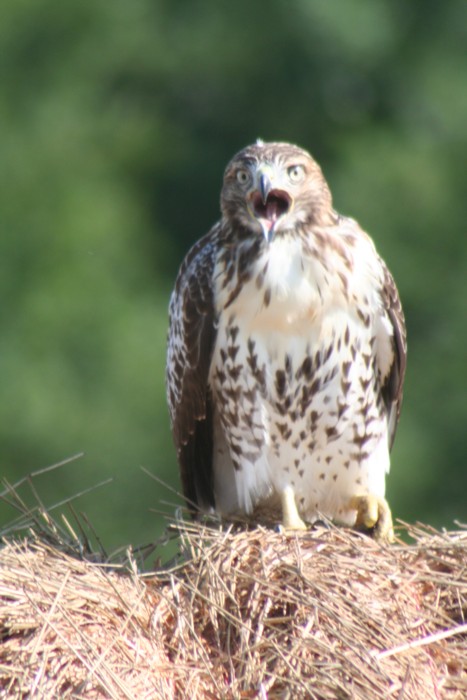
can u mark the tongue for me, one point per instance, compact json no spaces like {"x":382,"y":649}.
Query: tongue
{"x":272,"y":210}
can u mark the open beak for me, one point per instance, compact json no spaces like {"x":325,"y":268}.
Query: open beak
{"x":268,"y":205}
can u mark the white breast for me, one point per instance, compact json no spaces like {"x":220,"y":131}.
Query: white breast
{"x":293,"y":305}
{"x":303,"y":288}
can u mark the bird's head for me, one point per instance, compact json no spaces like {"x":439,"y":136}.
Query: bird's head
{"x":273,"y":188}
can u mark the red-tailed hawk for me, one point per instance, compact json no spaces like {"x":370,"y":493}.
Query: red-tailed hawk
{"x":286,"y":353}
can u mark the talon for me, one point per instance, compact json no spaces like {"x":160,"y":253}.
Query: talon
{"x":373,"y":513}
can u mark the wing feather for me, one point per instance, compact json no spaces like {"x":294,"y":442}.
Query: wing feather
{"x":192,"y":333}
{"x":393,"y":384}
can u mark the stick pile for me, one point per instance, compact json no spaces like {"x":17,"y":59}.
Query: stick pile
{"x":327,"y":614}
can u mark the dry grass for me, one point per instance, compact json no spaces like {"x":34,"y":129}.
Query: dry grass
{"x":244,"y":614}
{"x":327,"y":614}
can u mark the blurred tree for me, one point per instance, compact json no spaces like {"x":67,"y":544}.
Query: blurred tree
{"x":117,"y":121}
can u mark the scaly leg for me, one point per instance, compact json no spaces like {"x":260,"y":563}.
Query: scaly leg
{"x":373,"y":513}
{"x":291,"y":520}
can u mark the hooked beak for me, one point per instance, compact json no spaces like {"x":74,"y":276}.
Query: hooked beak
{"x":265,"y":187}
{"x":269,"y":205}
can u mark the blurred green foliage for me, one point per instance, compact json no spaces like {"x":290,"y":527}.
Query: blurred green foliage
{"x":117,"y":120}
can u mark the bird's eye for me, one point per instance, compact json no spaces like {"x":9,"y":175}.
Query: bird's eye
{"x":243,"y":176}
{"x":296,"y":173}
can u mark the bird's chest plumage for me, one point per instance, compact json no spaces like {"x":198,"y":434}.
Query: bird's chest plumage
{"x":295,"y":381}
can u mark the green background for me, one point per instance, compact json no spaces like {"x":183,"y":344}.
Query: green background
{"x":117,"y":119}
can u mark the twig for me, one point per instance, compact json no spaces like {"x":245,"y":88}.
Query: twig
{"x":423,"y":641}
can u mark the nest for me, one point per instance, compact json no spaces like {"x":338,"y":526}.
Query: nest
{"x":242,"y":614}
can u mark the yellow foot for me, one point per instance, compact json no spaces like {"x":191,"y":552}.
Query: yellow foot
{"x":373,"y":513}
{"x":291,"y":520}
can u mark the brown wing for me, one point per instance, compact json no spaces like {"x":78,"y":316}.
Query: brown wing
{"x":192,"y":332}
{"x":392,"y":389}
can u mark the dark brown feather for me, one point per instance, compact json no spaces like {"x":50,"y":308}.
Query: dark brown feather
{"x":392,"y":389}
{"x":193,"y":324}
